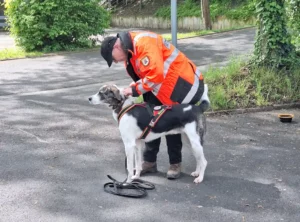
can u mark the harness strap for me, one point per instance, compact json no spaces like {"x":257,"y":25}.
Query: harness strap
{"x":125,"y":110}
{"x":154,"y":120}
{"x":149,"y":109}
{"x":155,"y":116}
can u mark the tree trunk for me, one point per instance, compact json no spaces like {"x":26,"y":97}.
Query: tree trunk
{"x":206,"y":14}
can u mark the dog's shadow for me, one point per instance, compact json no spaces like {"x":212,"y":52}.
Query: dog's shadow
{"x":215,"y":191}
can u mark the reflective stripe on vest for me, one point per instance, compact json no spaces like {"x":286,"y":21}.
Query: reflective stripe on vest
{"x":190,"y":95}
{"x":149,"y":84}
{"x":188,"y":98}
{"x":171,"y":58}
{"x":167,"y":63}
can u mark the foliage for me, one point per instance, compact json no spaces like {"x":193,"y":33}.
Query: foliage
{"x":273,"y":46}
{"x":235,"y":86}
{"x":232,"y":9}
{"x":240,"y":10}
{"x":294,"y":21}
{"x":55,"y":25}
{"x":187,"y":8}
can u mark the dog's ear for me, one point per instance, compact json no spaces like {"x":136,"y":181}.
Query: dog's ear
{"x":116,"y":92}
{"x":103,"y":89}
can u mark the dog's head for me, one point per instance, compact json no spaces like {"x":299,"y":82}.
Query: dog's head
{"x":109,"y":95}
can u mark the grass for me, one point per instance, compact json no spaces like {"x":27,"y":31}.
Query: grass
{"x":188,"y":34}
{"x":201,"y":33}
{"x":18,"y":53}
{"x":237,"y":86}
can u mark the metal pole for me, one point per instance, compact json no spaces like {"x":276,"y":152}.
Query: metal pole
{"x":174,"y":22}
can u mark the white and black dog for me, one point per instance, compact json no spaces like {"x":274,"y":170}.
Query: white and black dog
{"x":181,"y":118}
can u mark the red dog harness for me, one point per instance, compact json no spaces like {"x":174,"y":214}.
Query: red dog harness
{"x":156,"y":114}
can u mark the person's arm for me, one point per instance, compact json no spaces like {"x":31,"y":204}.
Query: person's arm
{"x":151,"y":66}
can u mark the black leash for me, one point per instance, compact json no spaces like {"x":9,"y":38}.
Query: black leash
{"x":136,"y":189}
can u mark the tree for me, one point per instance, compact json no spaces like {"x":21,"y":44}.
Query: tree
{"x":273,"y":46}
{"x":206,"y":14}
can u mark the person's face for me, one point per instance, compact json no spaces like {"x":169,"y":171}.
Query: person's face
{"x":117,"y":53}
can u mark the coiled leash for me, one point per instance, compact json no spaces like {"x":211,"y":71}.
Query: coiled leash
{"x":136,"y":189}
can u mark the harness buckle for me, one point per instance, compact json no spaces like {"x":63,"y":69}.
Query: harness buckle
{"x":151,"y":124}
{"x":156,"y":110}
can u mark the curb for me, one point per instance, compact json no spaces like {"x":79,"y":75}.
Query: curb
{"x":254,"y":110}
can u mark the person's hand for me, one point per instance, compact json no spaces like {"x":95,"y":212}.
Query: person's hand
{"x":132,"y":84}
{"x":127,"y":92}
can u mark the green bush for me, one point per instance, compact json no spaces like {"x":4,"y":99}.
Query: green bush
{"x":53,"y":25}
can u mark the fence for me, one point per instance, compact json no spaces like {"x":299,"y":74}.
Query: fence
{"x":2,"y":22}
{"x":188,"y":23}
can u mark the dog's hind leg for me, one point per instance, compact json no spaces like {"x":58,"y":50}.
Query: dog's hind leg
{"x":138,"y":159}
{"x":191,"y":132}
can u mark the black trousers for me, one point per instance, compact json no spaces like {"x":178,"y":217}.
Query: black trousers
{"x":174,"y":142}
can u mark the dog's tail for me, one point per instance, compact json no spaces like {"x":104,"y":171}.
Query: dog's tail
{"x":204,"y":101}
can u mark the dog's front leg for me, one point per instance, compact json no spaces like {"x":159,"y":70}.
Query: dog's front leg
{"x":129,"y":150}
{"x":138,"y":159}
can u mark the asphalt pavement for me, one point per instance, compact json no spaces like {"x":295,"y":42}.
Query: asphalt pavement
{"x":56,"y":149}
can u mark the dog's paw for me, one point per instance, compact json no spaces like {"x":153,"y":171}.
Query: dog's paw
{"x":195,"y":174}
{"x":198,"y":180}
{"x":135,"y":177}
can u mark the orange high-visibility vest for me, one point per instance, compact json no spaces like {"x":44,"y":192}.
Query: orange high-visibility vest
{"x":163,"y":69}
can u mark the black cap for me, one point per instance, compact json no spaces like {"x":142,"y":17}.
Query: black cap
{"x":107,"y":47}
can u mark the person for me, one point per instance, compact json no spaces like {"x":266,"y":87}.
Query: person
{"x":164,"y":75}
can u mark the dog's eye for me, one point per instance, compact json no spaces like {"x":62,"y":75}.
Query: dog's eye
{"x":102,"y":97}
